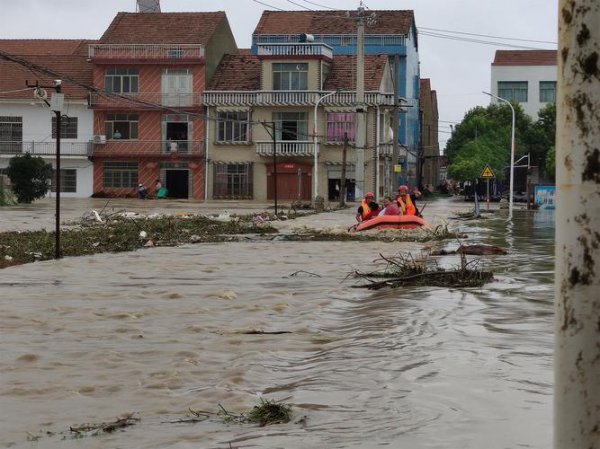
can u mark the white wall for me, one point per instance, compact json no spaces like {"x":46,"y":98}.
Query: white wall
{"x":533,"y":75}
{"x":37,"y":127}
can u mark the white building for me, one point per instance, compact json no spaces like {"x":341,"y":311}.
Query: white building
{"x":526,"y":76}
{"x":28,"y":125}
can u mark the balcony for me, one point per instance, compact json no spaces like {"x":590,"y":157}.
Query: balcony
{"x":159,"y":149}
{"x":145,"y":100}
{"x":296,"y":50}
{"x":301,"y":148}
{"x":152,"y":53}
{"x":46,"y":148}
{"x":293,"y":98}
{"x":335,"y":40}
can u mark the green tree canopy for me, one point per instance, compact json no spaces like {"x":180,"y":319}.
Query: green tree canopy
{"x":29,"y":177}
{"x":484,"y":137}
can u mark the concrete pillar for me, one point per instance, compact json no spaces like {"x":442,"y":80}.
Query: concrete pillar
{"x":577,"y":305}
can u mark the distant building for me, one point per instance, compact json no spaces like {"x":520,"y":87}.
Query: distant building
{"x":27,"y":125}
{"x":150,"y":71}
{"x":525,"y":76}
{"x":430,"y":158}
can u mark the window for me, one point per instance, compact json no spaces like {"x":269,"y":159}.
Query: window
{"x":11,"y":134}
{"x":547,"y":91}
{"x":288,"y":76}
{"x":68,"y":181}
{"x":233,"y":181}
{"x":68,"y":127}
{"x":340,"y":124}
{"x":291,"y":125}
{"x":232,"y":127}
{"x":120,"y":174}
{"x":513,"y":90}
{"x":122,"y":81}
{"x":121,"y":126}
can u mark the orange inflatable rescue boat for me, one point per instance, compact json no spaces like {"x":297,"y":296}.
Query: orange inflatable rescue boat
{"x":392,"y":222}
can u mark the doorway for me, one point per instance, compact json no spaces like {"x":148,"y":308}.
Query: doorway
{"x":177,"y":183}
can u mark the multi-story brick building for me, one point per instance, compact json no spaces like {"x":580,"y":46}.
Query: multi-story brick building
{"x":149,"y":73}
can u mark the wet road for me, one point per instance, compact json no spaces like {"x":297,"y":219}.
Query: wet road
{"x":159,"y":331}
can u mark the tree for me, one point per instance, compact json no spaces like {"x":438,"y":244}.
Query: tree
{"x":29,"y":177}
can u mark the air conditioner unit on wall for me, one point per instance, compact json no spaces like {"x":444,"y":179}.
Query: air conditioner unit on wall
{"x":99,"y":138}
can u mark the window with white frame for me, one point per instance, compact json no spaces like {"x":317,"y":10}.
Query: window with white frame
{"x":233,"y":180}
{"x":68,"y":181}
{"x":232,"y":126}
{"x":290,"y":76}
{"x":291,"y":125}
{"x":121,"y":126}
{"x":341,"y":125}
{"x":11,"y":134}
{"x":513,"y":90}
{"x":120,"y":174}
{"x":122,"y":80}
{"x":547,"y":91}
{"x":68,"y":127}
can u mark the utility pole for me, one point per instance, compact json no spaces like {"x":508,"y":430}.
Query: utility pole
{"x":577,"y":279}
{"x":56,"y":105}
{"x":361,"y":122}
{"x":343,"y":175}
{"x":396,"y":123}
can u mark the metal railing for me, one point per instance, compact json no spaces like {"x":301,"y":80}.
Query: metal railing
{"x":145,"y":99}
{"x":335,"y":40}
{"x":303,"y":49}
{"x":285,"y":148}
{"x":125,"y":147}
{"x":292,"y":98}
{"x":146,"y":51}
{"x":46,"y":148}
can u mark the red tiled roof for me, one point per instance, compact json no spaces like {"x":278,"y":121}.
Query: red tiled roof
{"x":525,"y":57}
{"x":332,"y":22}
{"x":45,"y":46}
{"x":13,"y":76}
{"x":163,"y":28}
{"x":237,"y":72}
{"x":343,"y":73}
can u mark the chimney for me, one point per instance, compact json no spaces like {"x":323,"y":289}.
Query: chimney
{"x":148,"y":6}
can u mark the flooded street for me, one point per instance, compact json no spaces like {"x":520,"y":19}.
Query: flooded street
{"x":159,"y":331}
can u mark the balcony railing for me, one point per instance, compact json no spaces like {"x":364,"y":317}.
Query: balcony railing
{"x":46,"y":148}
{"x":172,"y":52}
{"x":335,"y":40}
{"x":134,"y":148}
{"x":294,"y":50}
{"x":145,"y":100}
{"x":292,"y":98}
{"x":285,"y":148}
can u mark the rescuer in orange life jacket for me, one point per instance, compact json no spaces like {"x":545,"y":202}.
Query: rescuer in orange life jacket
{"x":368,"y":208}
{"x":406,"y":202}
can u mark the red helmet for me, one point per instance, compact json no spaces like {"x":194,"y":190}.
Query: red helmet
{"x":403,"y":188}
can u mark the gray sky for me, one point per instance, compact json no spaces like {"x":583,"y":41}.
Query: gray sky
{"x":459,"y":70}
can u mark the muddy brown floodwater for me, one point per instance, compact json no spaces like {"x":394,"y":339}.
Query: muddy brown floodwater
{"x":158,"y":331}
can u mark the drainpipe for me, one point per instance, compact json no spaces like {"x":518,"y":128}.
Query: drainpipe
{"x":377,"y":121}
{"x":577,"y":279}
{"x":206,"y":131}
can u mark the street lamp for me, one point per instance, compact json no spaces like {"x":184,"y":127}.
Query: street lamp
{"x":315,"y":146}
{"x":512,"y":154}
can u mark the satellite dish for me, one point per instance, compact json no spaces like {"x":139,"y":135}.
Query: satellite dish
{"x":40,"y":94}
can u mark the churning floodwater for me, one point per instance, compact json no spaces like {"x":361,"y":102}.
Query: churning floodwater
{"x":159,"y":331}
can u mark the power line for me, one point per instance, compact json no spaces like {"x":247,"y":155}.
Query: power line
{"x":486,"y":35}
{"x":476,"y":41}
{"x":270,"y":6}
{"x":298,"y":4}
{"x":320,"y":6}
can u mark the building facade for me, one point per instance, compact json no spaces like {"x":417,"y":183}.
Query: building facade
{"x":28,"y":125}
{"x":390,"y":33}
{"x":149,"y":74}
{"x":525,"y":76}
{"x":281,"y":120}
{"x":430,"y":159}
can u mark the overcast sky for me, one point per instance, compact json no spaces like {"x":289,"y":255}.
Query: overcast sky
{"x":459,"y":70}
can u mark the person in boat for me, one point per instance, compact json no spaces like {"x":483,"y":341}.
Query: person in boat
{"x":389,"y":207}
{"x":368,"y":208}
{"x":406,"y":203}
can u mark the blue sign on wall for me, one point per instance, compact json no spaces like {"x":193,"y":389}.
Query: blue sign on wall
{"x":545,"y":197}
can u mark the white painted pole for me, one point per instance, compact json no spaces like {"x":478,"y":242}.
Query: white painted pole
{"x":577,"y":279}
{"x":512,"y":155}
{"x":316,"y":148}
{"x":361,"y":123}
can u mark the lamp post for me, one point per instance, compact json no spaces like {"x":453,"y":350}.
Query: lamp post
{"x":315,"y":147}
{"x":512,"y":154}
